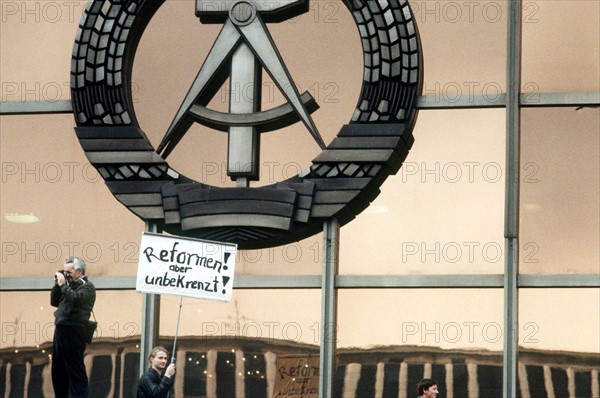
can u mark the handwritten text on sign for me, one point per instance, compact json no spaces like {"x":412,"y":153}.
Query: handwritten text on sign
{"x":186,"y":267}
{"x":297,"y":377}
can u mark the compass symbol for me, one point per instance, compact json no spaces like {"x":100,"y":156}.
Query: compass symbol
{"x":244,"y":45}
{"x":341,"y":181}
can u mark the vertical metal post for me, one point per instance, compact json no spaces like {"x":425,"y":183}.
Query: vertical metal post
{"x":244,"y":97}
{"x":511,"y":220}
{"x":327,"y":359}
{"x":150,"y":318}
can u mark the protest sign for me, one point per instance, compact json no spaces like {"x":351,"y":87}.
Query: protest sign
{"x":186,"y":267}
{"x":297,"y":377}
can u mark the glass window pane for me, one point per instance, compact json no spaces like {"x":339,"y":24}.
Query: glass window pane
{"x":560,"y":185}
{"x":449,"y":335}
{"x":443,"y":212}
{"x":552,"y":330}
{"x":464,"y":47}
{"x":27,"y":319}
{"x":55,"y":204}
{"x":34,"y":34}
{"x":252,"y":314}
{"x":243,"y":348}
{"x":556,"y":358}
{"x":300,"y":258}
{"x":119,"y":315}
{"x":560,"y":55}
{"x":27,"y":334}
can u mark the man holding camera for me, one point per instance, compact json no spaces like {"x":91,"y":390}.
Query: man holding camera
{"x":74,"y":296}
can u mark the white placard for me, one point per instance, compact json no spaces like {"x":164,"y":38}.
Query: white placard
{"x":186,"y":267}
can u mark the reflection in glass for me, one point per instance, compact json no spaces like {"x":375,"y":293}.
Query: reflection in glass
{"x":27,"y":334}
{"x":389,"y":339}
{"x":555,"y":355}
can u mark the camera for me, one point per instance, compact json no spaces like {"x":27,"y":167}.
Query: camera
{"x":65,"y":273}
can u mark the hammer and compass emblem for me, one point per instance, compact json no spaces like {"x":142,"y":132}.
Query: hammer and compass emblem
{"x":341,"y":181}
{"x":245,"y":47}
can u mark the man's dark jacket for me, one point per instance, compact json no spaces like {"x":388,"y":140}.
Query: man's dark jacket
{"x":152,"y":385}
{"x":74,"y":301}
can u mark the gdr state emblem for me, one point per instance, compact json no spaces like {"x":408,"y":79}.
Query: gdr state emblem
{"x":341,"y":181}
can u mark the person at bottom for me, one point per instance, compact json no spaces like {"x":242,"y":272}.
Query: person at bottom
{"x":153,"y":384}
{"x":427,"y":388}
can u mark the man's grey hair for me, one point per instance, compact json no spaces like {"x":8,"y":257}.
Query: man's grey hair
{"x":78,"y":263}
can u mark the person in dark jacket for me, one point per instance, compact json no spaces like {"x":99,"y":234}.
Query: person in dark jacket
{"x":74,"y":295}
{"x":152,"y":384}
{"x":427,"y":388}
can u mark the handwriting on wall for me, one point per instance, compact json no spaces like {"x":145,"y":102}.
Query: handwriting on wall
{"x":297,"y":376}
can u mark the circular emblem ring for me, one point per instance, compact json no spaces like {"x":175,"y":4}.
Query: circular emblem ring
{"x":342,"y":180}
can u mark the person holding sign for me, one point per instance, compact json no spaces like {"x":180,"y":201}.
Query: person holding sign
{"x":152,"y":384}
{"x":74,"y":296}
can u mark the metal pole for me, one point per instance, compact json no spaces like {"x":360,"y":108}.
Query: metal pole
{"x":327,"y":360}
{"x":176,"y":331}
{"x":174,"y":353}
{"x":511,"y":220}
{"x":150,"y":318}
